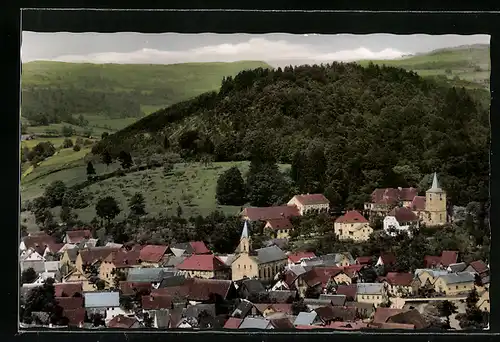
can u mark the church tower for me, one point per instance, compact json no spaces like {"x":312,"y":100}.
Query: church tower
{"x":435,"y":205}
{"x":245,"y":242}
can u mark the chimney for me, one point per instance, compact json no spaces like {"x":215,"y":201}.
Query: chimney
{"x":400,"y":188}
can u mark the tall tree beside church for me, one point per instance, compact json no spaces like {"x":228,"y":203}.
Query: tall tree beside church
{"x":231,"y":188}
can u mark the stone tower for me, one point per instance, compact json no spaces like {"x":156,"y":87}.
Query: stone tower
{"x":245,"y":243}
{"x":435,"y":205}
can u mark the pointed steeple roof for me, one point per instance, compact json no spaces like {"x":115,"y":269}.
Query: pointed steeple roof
{"x":244,"y":233}
{"x":435,"y":185}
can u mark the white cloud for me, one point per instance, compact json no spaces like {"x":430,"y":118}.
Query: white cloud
{"x":253,"y":49}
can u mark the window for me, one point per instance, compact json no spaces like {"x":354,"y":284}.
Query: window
{"x":245,"y":267}
{"x":440,"y":217}
{"x":456,"y":287}
{"x":250,"y":266}
{"x":239,"y":266}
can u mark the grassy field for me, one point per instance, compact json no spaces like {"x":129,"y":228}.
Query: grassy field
{"x":56,"y":141}
{"x":192,"y":186}
{"x":471,"y":64}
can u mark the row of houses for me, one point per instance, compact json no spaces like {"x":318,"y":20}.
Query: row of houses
{"x":184,"y":276}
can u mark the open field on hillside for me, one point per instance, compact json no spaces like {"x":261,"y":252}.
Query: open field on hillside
{"x":56,"y":141}
{"x":192,"y":186}
{"x":471,"y":64}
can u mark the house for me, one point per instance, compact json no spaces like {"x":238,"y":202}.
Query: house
{"x":335,"y":300}
{"x":454,"y":283}
{"x":156,"y":302}
{"x":373,"y":293}
{"x":280,"y":228}
{"x":118,"y":261}
{"x":314,"y":303}
{"x":264,"y":263}
{"x":428,"y":276}
{"x":330,"y":313}
{"x":353,"y":325}
{"x":478,"y":267}
{"x":67,"y":290}
{"x":243,"y":309}
{"x":286,"y":281}
{"x":364,"y":260}
{"x":269,"y":309}
{"x":383,"y":200}
{"x":382,"y":314}
{"x":447,"y":258}
{"x":253,"y":214}
{"x":398,"y":284}
{"x":296,"y":258}
{"x":457,"y":267}
{"x":484,"y":301}
{"x":123,"y":322}
{"x":400,"y":219}
{"x":318,"y":278}
{"x":188,"y":248}
{"x":282,"y":323}
{"x":411,"y":317}
{"x":83,"y":279}
{"x":76,"y":317}
{"x":77,"y":236}
{"x":68,"y":259}
{"x":106,"y":303}
{"x":129,"y":288}
{"x":152,"y":255}
{"x":316,"y":203}
{"x":364,"y":310}
{"x":36,"y":242}
{"x":352,"y":226}
{"x":337,"y":259}
{"x":248,"y":287}
{"x":386,"y":259}
{"x":353,"y":272}
{"x":350,"y":291}
{"x":92,"y":256}
{"x":152,"y":275}
{"x":204,"y":266}
{"x":199,"y":290}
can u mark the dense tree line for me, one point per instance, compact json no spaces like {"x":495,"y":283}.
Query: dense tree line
{"x":346,"y":129}
{"x":46,"y":105}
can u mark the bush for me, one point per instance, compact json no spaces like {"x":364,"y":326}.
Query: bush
{"x":76,"y":148}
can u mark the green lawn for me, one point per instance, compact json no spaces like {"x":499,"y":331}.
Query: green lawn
{"x":192,"y":186}
{"x":56,"y":141}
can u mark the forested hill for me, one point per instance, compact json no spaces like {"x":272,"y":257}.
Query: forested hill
{"x":347,"y":129}
{"x":54,"y":92}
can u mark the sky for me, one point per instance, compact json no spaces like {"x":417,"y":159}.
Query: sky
{"x":276,"y":49}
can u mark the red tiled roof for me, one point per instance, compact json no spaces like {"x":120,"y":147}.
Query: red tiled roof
{"x":320,"y":275}
{"x":388,"y":258}
{"x":403,"y":215}
{"x":418,"y":203}
{"x":349,"y":291}
{"x":38,"y":242}
{"x":270,"y":213}
{"x":392,"y":196}
{"x":282,"y":307}
{"x":156,"y":302}
{"x":283,"y":223}
{"x":93,"y":254}
{"x":383,"y":314}
{"x":431,"y":261}
{"x":399,"y":279}
{"x":199,"y":247}
{"x":196,"y":289}
{"x":75,"y":316}
{"x":55,"y":247}
{"x":127,"y":287}
{"x":69,"y":303}
{"x":233,"y":323}
{"x":351,"y":270}
{"x":152,"y":253}
{"x":122,"y":258}
{"x":67,"y":289}
{"x":479,"y":266}
{"x":352,"y":216}
{"x":76,"y":236}
{"x":329,"y":312}
{"x":364,"y":260}
{"x":312,"y":199}
{"x":121,"y":321}
{"x":449,"y":257}
{"x":201,"y":262}
{"x":290,"y":278}
{"x":296,"y":257}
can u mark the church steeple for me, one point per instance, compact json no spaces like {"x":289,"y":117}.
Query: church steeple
{"x":244,"y":245}
{"x":435,"y":185}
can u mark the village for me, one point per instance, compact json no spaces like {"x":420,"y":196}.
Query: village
{"x":102,"y":284}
